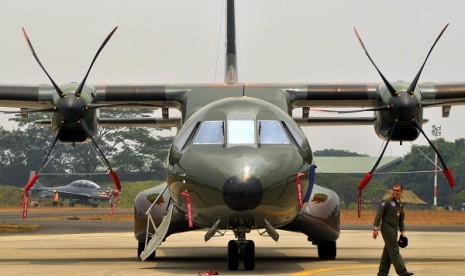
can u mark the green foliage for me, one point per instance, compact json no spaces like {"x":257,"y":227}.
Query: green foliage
{"x":337,"y":152}
{"x":9,"y":196}
{"x":374,"y":193}
{"x":131,"y":189}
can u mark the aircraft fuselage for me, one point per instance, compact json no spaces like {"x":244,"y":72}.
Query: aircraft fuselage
{"x":238,"y":160}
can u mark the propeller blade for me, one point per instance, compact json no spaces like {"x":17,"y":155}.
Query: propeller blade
{"x":369,"y":175}
{"x":388,"y":85}
{"x":79,"y":90}
{"x":116,"y":192}
{"x":115,"y":179}
{"x":365,"y":180}
{"x":449,"y":176}
{"x":447,"y":172}
{"x":412,"y":86}
{"x":86,"y":129}
{"x":379,"y":108}
{"x":31,"y":181}
{"x":58,"y":90}
{"x":112,"y":173}
{"x":50,"y":150}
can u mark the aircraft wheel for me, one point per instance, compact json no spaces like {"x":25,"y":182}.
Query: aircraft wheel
{"x":327,"y":250}
{"x":249,"y":256}
{"x":140,"y":249}
{"x":233,"y":255}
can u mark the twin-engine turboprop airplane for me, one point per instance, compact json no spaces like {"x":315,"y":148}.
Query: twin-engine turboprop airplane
{"x":239,"y":161}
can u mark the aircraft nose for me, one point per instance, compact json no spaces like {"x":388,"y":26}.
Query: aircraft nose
{"x":242,"y":193}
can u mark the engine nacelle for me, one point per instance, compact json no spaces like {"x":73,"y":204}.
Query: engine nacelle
{"x":402,"y":132}
{"x":403,"y":113}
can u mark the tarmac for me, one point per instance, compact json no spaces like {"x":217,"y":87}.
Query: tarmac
{"x":70,"y":248}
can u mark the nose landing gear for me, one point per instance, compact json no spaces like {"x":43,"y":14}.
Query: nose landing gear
{"x":241,"y":249}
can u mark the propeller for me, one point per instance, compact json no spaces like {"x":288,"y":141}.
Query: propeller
{"x":78,"y":91}
{"x":72,"y":109}
{"x":403,"y":106}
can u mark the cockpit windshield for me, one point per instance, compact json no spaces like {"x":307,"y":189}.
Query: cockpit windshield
{"x":271,"y":132}
{"x":84,"y":184}
{"x":210,"y":132}
{"x":241,"y":132}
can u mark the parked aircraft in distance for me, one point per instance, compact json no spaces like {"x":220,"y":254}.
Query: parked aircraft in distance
{"x":240,"y":161}
{"x":80,"y":191}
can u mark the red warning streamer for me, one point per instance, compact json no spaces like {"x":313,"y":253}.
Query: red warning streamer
{"x":25,"y":195}
{"x":368,"y":176}
{"x":189,"y":208}
{"x":116,"y":192}
{"x":450,"y":177}
{"x":298,"y":182}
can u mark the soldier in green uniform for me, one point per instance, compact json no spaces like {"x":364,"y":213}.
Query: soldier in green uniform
{"x":390,"y":216}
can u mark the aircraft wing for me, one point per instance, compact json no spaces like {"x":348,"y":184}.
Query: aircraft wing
{"x":367,"y":95}
{"x":40,"y":96}
{"x":445,"y":94}
{"x":26,"y":96}
{"x":313,"y":96}
{"x":334,"y":95}
{"x":157,"y":95}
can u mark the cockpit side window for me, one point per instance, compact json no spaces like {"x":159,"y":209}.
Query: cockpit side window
{"x":185,"y":136}
{"x":295,"y":137}
{"x":271,"y":132}
{"x":241,"y":132}
{"x":210,"y":132}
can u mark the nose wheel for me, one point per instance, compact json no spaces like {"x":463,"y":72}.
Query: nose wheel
{"x":244,"y":249}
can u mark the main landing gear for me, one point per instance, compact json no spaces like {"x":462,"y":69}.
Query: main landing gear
{"x":241,"y":249}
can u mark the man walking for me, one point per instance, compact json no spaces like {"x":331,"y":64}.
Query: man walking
{"x":390,"y":216}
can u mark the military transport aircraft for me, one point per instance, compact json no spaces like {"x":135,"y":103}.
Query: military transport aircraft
{"x":80,"y":191}
{"x":239,"y":161}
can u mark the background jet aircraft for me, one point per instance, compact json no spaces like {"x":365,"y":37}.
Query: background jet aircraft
{"x":240,"y":161}
{"x":80,"y":191}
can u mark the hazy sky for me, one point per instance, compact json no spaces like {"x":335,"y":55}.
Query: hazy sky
{"x":278,"y":41}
